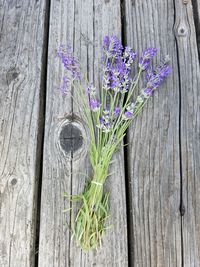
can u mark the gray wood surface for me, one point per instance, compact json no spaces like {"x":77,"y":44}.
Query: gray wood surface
{"x":189,"y":131}
{"x":153,"y":151}
{"x":21,"y":46}
{"x":82,"y":24}
{"x":161,"y":164}
{"x":196,"y":16}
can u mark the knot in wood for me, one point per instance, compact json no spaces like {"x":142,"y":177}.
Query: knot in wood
{"x":182,"y":31}
{"x":14,"y":181}
{"x":71,"y":138}
{"x":11,"y":75}
{"x":185,"y":2}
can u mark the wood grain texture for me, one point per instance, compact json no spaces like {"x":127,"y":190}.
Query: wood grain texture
{"x":153,"y":151}
{"x":196,"y":16}
{"x":189,"y":131}
{"x":82,"y":24}
{"x":21,"y":48}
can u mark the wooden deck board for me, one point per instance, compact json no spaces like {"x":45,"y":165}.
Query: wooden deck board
{"x":196,"y":17}
{"x":83,"y":25}
{"x":21,"y":49}
{"x":153,"y":151}
{"x":189,"y":131}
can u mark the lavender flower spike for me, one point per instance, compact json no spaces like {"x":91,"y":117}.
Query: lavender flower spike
{"x":65,"y":84}
{"x":70,"y":63}
{"x":127,"y":115}
{"x":156,"y":77}
{"x":148,"y":91}
{"x":106,"y":42}
{"x":146,"y":57}
{"x":94,"y":104}
{"x":117,"y":111}
{"x":112,"y":46}
{"x":129,"y":56}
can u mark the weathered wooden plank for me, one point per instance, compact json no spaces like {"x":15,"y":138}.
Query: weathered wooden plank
{"x":189,"y":131}
{"x":196,"y":10}
{"x":21,"y":49}
{"x":82,"y":24}
{"x":153,"y":151}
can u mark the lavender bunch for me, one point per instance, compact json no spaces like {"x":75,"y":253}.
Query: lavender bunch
{"x":107,"y":117}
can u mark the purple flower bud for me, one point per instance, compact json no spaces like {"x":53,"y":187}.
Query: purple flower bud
{"x":94,"y":104}
{"x":101,"y":120}
{"x":156,"y":77}
{"x":65,"y":83}
{"x":106,"y":42}
{"x":117,"y":111}
{"x":129,"y":56}
{"x":128,"y":114}
{"x":115,"y":46}
{"x":91,"y":90}
{"x":105,"y":124}
{"x":112,"y":47}
{"x":146,"y":57}
{"x":115,"y":82}
{"x":70,"y":63}
{"x":120,"y":66}
{"x":148,"y":91}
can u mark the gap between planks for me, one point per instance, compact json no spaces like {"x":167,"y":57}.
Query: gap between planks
{"x":41,"y":126}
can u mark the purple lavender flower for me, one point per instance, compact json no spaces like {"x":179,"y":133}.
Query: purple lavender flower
{"x":117,"y":111}
{"x":107,"y":126}
{"x":70,"y":63}
{"x":115,"y":46}
{"x":129,"y":56}
{"x":101,"y":120}
{"x":118,"y":65}
{"x":106,"y":43}
{"x":149,"y":72}
{"x":125,"y":83}
{"x":112,"y":47}
{"x":65,"y":83}
{"x":91,"y":90}
{"x":115,"y":81}
{"x":104,"y":125}
{"x":117,"y":76}
{"x":94,"y":104}
{"x":156,"y":77}
{"x":105,"y":122}
{"x":148,"y":91}
{"x":146,"y":57}
{"x":128,"y":53}
{"x":111,"y":79}
{"x":128,"y":114}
